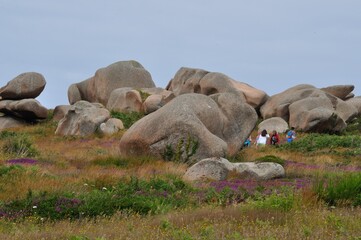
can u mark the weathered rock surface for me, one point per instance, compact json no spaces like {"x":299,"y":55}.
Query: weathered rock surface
{"x":275,"y":123}
{"x":111,"y":126}
{"x":27,"y":109}
{"x":214,"y":126}
{"x":309,"y":109}
{"x":10,"y":122}
{"x":60,"y":111}
{"x":83,"y":118}
{"x":210,"y":168}
{"x":157,"y":98}
{"x":125,"y":100}
{"x":117,"y":75}
{"x":260,"y":171}
{"x":341,"y":91}
{"x":189,"y":80}
{"x":26,"y":85}
{"x":219,"y":168}
{"x":356,"y":103}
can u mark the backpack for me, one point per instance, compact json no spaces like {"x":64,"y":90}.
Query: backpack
{"x":274,"y":139}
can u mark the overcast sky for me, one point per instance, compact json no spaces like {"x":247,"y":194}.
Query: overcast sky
{"x":270,"y":44}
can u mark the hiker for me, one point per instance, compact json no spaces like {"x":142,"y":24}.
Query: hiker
{"x":275,"y":138}
{"x":248,"y":142}
{"x":262,"y":138}
{"x":291,"y":135}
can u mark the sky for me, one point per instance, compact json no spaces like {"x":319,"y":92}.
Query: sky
{"x":271,"y":45}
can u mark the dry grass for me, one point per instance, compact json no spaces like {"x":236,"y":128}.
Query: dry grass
{"x":69,"y":164}
{"x":234,"y":222}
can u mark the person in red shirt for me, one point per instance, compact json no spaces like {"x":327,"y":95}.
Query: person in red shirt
{"x":275,"y":138}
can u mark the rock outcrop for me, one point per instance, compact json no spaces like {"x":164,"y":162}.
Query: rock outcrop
{"x":192,"y":127}
{"x":17,"y":103}
{"x":125,"y":100}
{"x":189,"y":80}
{"x":60,"y":111}
{"x":82,"y":119}
{"x":111,"y":126}
{"x":343,"y":92}
{"x":26,"y":85}
{"x":310,"y":109}
{"x":218,"y":169}
{"x":117,"y":75}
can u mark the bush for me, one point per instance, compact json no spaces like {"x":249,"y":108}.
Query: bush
{"x":271,"y":158}
{"x":19,"y":145}
{"x":354,"y":127}
{"x":128,"y":119}
{"x":283,"y":201}
{"x":339,"y":189}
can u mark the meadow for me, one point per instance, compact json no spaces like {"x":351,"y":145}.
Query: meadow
{"x":66,"y":187}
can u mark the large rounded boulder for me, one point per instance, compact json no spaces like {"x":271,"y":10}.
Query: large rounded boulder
{"x":117,"y":75}
{"x":27,"y":109}
{"x":274,"y":124}
{"x":26,"y":85}
{"x":82,"y":119}
{"x":192,"y":127}
{"x":189,"y":80}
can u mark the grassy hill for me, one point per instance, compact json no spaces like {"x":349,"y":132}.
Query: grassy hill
{"x":56,"y":187}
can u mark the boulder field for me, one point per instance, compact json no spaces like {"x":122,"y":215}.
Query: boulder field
{"x":200,"y":114}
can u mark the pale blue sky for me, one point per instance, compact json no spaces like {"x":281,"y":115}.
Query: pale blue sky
{"x":269,"y":44}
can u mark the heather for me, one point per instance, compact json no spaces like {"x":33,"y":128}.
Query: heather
{"x":58,"y":187}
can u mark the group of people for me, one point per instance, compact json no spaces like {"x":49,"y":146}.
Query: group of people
{"x":264,"y":138}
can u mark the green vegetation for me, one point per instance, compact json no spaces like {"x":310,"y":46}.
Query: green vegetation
{"x":336,"y":189}
{"x":183,"y":152}
{"x":80,"y":188}
{"x":128,"y":119}
{"x":271,"y":158}
{"x":136,"y":196}
{"x":332,"y":143}
{"x":18,"y":145}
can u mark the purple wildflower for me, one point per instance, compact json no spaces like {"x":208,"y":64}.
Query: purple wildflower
{"x":27,"y":161}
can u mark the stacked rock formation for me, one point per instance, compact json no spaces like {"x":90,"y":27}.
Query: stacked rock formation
{"x":17,"y":100}
{"x":310,"y":109}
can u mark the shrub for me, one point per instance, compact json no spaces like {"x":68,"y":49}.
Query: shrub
{"x":19,"y":145}
{"x":283,"y":201}
{"x":339,"y":189}
{"x":271,"y":158}
{"x":185,"y":149}
{"x":354,"y":127}
{"x":128,"y":119}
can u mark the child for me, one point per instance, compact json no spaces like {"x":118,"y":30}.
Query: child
{"x":275,"y":138}
{"x":291,"y":135}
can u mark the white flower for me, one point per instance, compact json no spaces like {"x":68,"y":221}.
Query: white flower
{"x":35,"y":206}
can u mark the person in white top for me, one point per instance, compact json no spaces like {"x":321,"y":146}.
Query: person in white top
{"x":263,"y":138}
